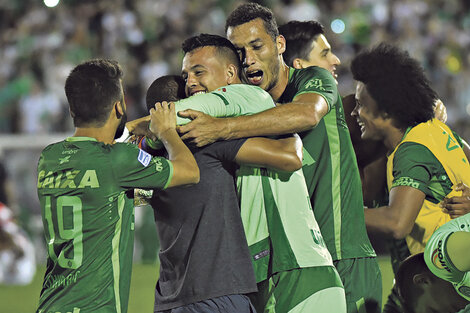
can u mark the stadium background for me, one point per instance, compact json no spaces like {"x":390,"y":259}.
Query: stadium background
{"x":39,"y":45}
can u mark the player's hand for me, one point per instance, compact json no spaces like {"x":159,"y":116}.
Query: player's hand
{"x":440,"y":111}
{"x":140,"y":126}
{"x":457,"y":206}
{"x":162,"y":119}
{"x":202,"y":130}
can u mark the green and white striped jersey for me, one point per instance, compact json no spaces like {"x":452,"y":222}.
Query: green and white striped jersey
{"x":330,"y":168}
{"x":279,"y":224}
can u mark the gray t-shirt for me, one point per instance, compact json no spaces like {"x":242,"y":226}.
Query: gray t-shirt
{"x":203,"y":251}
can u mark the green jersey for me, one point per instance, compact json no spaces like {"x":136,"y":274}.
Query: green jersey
{"x":279,"y":224}
{"x":437,"y":258}
{"x":415,"y":165}
{"x":227,"y":101}
{"x":280,"y":227}
{"x":330,"y":168}
{"x":84,"y":188}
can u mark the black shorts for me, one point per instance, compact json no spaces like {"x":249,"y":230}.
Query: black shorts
{"x":223,"y":304}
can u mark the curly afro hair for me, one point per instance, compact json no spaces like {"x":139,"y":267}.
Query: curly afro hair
{"x":397,"y":83}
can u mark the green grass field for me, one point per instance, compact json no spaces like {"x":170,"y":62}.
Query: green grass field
{"x":16,"y":299}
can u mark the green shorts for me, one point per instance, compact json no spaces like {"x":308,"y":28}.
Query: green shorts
{"x":303,"y":290}
{"x":362,"y":282}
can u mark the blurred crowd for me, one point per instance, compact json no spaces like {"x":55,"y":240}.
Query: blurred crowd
{"x":39,"y":45}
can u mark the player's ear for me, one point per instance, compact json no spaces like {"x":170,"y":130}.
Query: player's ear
{"x":281,"y":44}
{"x":118,"y":107}
{"x":297,"y":63}
{"x":422,"y":280}
{"x":231,"y":74}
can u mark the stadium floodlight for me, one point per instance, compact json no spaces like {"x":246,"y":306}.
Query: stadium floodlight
{"x":338,"y":26}
{"x":51,"y":3}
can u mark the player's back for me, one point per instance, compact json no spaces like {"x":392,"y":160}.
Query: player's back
{"x":203,"y":250}
{"x":88,"y":223}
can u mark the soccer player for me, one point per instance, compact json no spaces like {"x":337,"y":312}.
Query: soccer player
{"x":84,"y":184}
{"x":312,"y":106}
{"x":395,"y":104}
{"x":306,"y":45}
{"x":266,"y":195}
{"x":438,"y":280}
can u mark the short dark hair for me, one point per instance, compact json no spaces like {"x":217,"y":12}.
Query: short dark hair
{"x":407,"y":290}
{"x":224,"y":48}
{"x":247,"y":12}
{"x":397,"y":83}
{"x":165,"y":88}
{"x":299,"y":38}
{"x":92,"y":88}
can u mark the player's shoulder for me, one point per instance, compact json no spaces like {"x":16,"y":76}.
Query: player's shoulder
{"x":120,"y":146}
{"x":311,"y":71}
{"x":122,"y":149}
{"x":411,"y":150}
{"x":240,"y":88}
{"x":312,"y":77}
{"x":249,"y":92}
{"x":53,"y":146}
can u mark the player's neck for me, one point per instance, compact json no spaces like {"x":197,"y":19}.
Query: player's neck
{"x":393,"y":137}
{"x":277,"y":91}
{"x":103,"y":134}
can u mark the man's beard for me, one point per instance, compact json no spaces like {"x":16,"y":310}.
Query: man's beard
{"x":274,"y":68}
{"x":121,"y":127}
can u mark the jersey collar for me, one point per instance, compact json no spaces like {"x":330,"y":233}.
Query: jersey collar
{"x":74,"y":139}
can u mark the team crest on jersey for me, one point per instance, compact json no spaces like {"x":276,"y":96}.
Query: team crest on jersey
{"x":316,"y":83}
{"x":144,"y":157}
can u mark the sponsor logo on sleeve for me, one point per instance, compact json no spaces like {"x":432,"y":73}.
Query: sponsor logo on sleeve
{"x":144,"y":157}
{"x":438,"y":258}
{"x":406,"y":181}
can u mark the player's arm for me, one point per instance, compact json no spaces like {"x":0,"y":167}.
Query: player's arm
{"x":396,"y":219}
{"x":209,"y":104}
{"x":213,"y":104}
{"x":163,"y":126}
{"x":281,"y":154}
{"x":303,"y":113}
{"x":216,"y":104}
{"x":458,"y":246}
